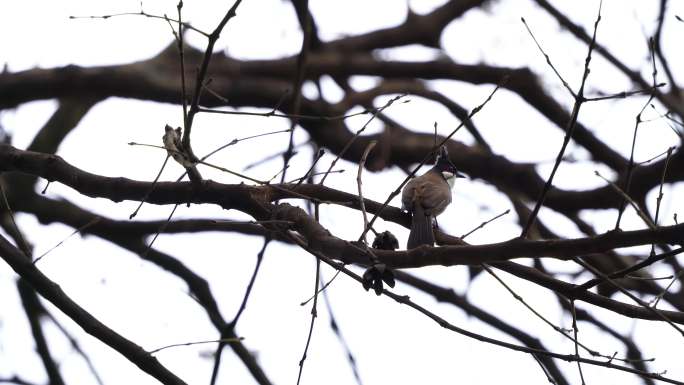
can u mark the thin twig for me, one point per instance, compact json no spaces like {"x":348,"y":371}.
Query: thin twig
{"x":181,"y":53}
{"x":325,"y":286}
{"x":576,"y":330}
{"x":271,"y":157}
{"x":249,"y":178}
{"x":243,"y":306}
{"x":572,"y":123}
{"x":298,"y":180}
{"x":317,"y":157}
{"x":669,"y":120}
{"x":202,"y":73}
{"x":302,"y":60}
{"x":548,"y":59}
{"x":660,"y":192}
{"x":657,"y":298}
{"x":638,"y":266}
{"x":657,"y":156}
{"x":362,"y":162}
{"x":657,"y":38}
{"x":234,"y":173}
{"x":649,"y":278}
{"x":336,"y":329}
{"x":637,"y":122}
{"x":634,"y":298}
{"x":260,"y":258}
{"x":357,"y":133}
{"x":290,"y":116}
{"x":154,"y":184}
{"x":485,"y":223}
{"x":625,"y":94}
{"x":314,"y":314}
{"x":77,"y":231}
{"x":222,"y":340}
{"x":161,"y":230}
{"x":662,"y":182}
{"x":563,"y":332}
{"x":141,"y":13}
{"x":644,"y":217}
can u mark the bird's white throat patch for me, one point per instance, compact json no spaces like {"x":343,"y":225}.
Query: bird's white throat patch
{"x":449,"y":177}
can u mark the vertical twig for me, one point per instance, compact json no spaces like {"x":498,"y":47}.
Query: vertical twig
{"x":260,"y":257}
{"x":314,"y":314}
{"x":362,"y":162}
{"x":579,"y":99}
{"x":660,"y":192}
{"x":202,"y":73}
{"x":662,"y":182}
{"x":181,"y":52}
{"x":241,"y":309}
{"x":575,"y":331}
{"x":299,"y":79}
{"x":657,"y":46}
{"x":631,"y":165}
{"x":319,"y":154}
{"x":336,"y":329}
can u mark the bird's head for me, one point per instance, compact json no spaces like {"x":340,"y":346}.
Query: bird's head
{"x":446,"y":168}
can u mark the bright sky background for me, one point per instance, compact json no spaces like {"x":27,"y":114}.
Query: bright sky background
{"x":391,"y":343}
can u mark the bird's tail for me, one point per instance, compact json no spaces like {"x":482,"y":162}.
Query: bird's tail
{"x":421,"y":229}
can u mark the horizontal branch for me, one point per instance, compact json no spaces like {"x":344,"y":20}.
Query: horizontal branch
{"x":246,"y":83}
{"x":255,"y":201}
{"x":258,"y":84}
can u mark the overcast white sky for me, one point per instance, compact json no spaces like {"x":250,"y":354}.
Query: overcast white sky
{"x":391,"y":343}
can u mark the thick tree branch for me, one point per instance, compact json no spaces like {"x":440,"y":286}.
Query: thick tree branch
{"x":21,"y":264}
{"x":255,"y":201}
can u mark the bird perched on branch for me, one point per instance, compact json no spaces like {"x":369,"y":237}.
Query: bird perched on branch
{"x":427,"y":196}
{"x":174,"y":147}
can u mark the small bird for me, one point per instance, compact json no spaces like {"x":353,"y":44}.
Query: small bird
{"x":174,"y":147}
{"x":427,"y":196}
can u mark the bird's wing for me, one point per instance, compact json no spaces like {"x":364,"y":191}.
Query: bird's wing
{"x":434,"y":200}
{"x":407,"y":195}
